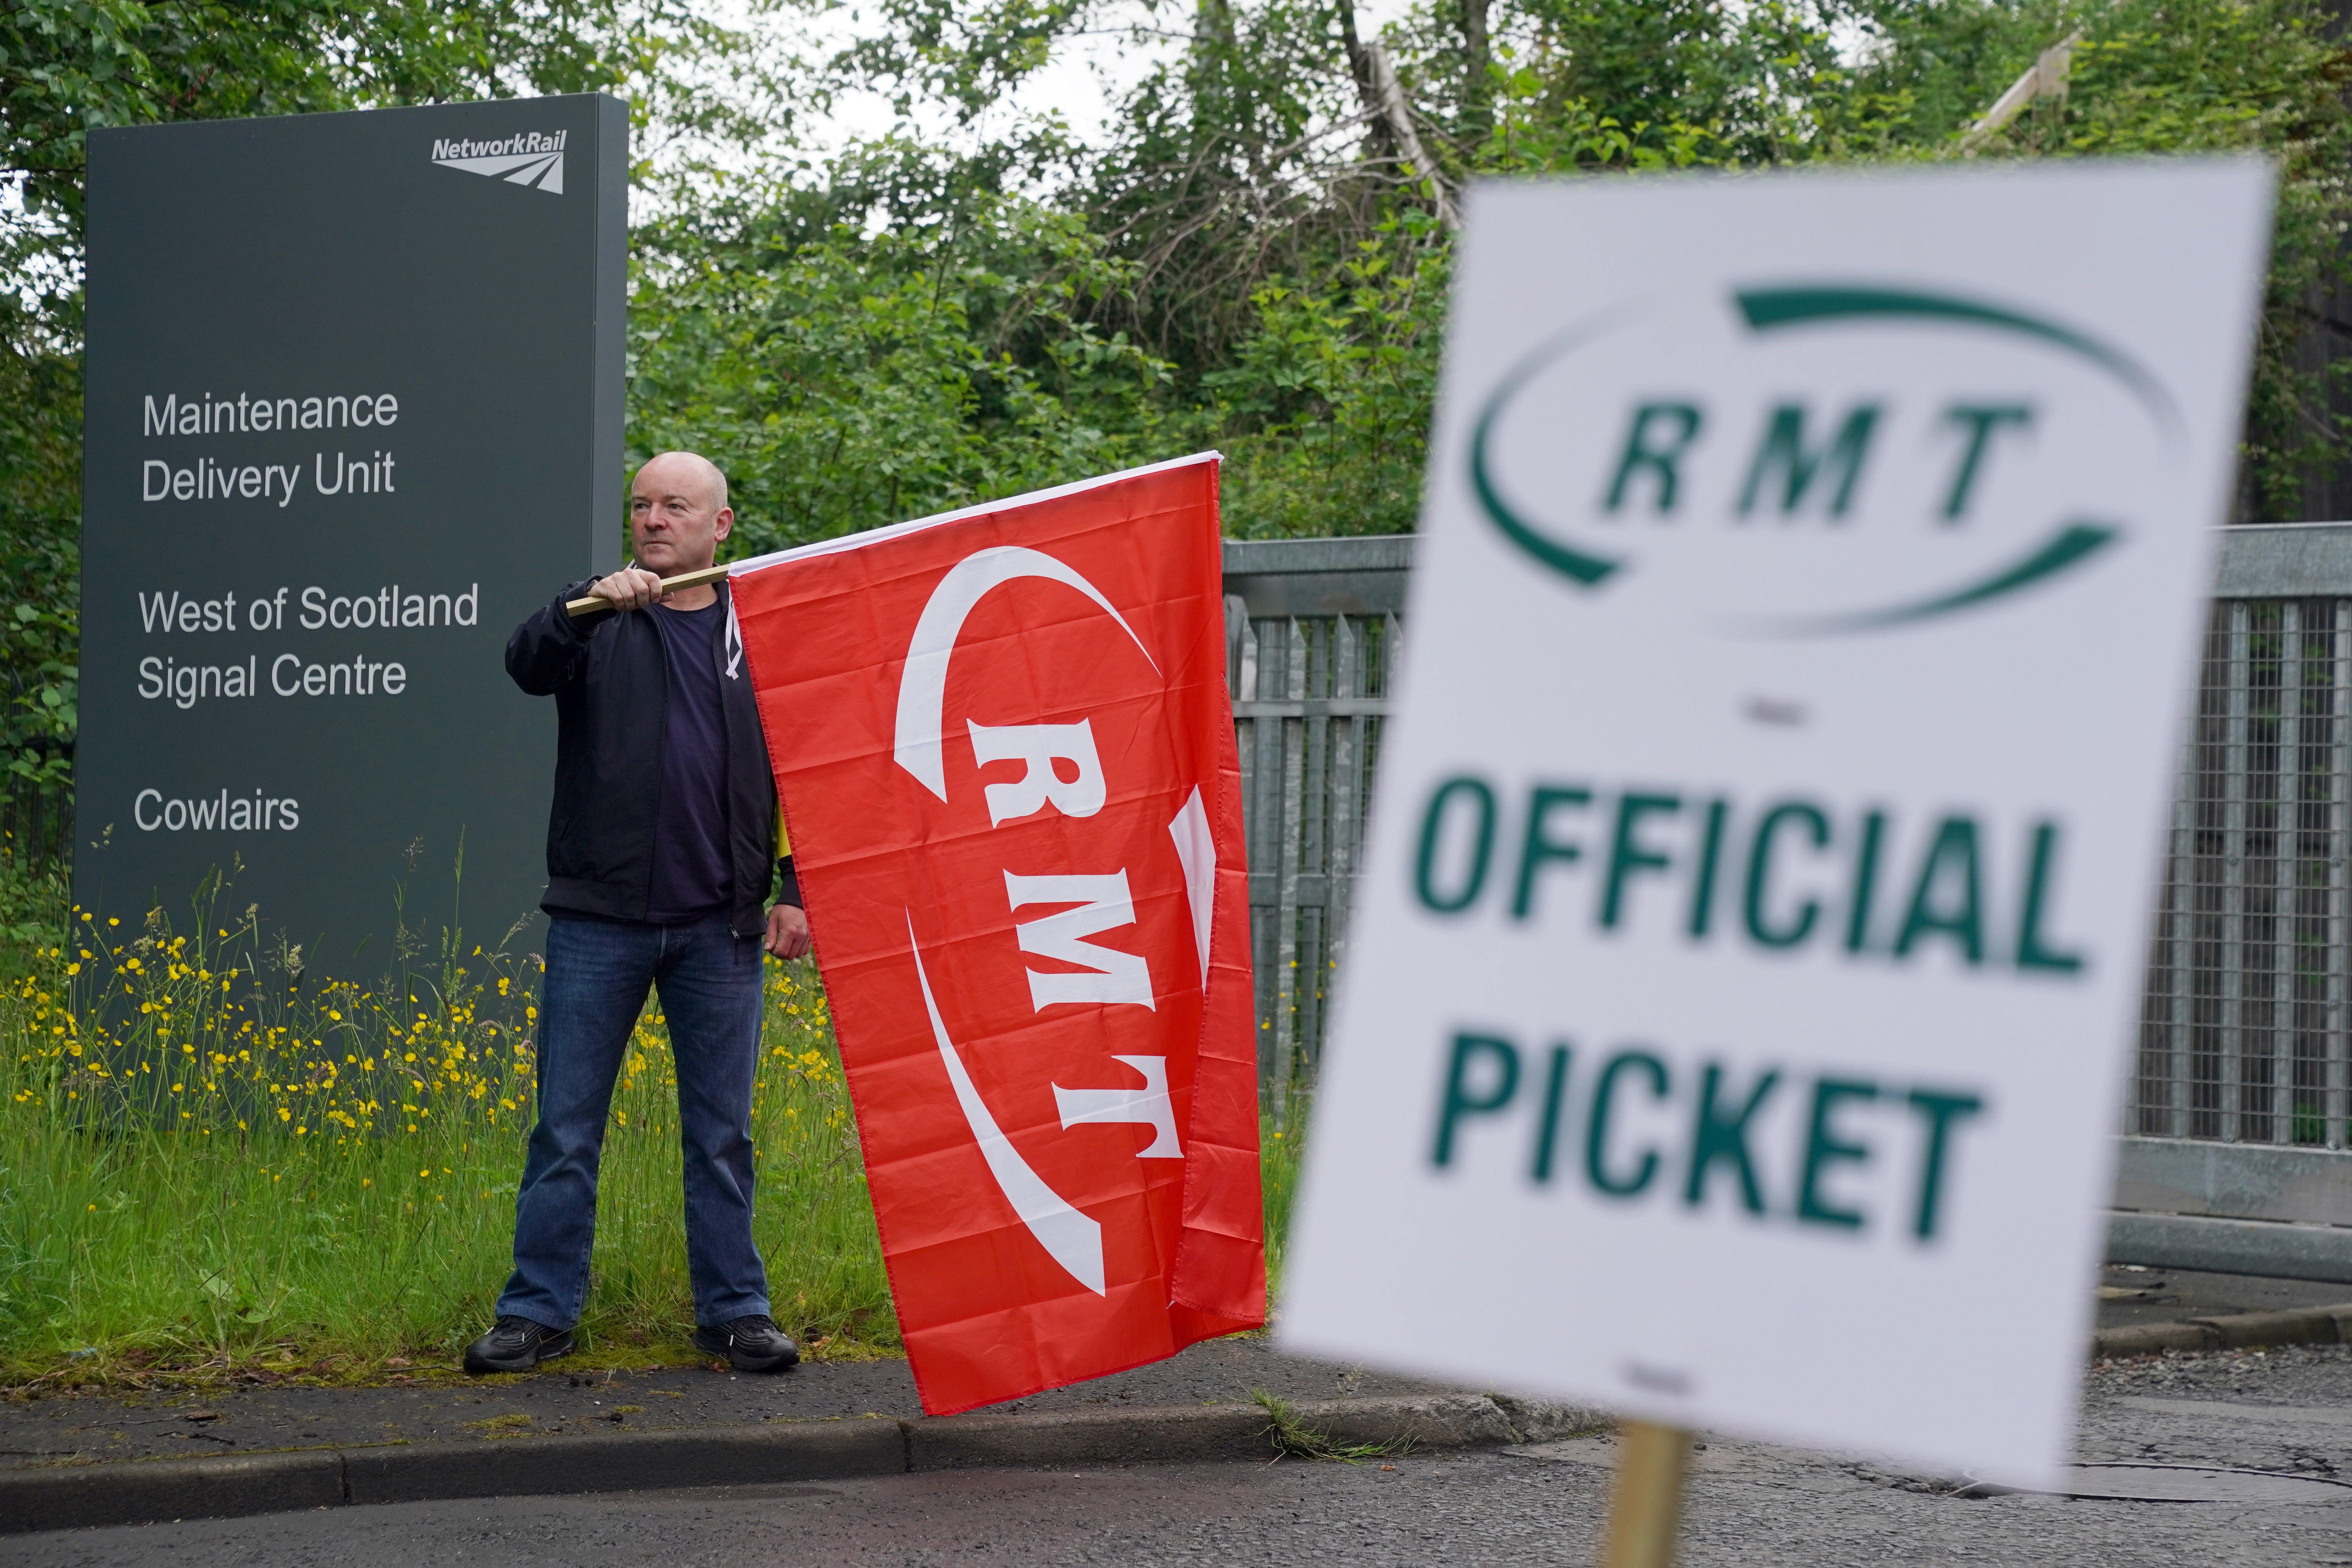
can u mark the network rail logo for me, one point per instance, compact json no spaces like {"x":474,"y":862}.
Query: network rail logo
{"x":528,"y":158}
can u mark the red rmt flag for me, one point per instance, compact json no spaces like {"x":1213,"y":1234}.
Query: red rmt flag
{"x":1005,"y":751}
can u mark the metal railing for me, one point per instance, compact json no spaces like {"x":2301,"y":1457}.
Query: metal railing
{"x":36,"y":825}
{"x":2246,"y":1034}
{"x":2246,"y":1027}
{"x":2243,"y":1032}
{"x":1311,"y":636}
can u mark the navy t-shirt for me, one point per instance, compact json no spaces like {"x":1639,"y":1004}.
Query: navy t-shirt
{"x":691,"y":877}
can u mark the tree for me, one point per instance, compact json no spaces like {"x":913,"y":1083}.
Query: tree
{"x":67,"y":66}
{"x":1252,"y":257}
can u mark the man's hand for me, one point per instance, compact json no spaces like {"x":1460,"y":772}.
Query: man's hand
{"x":630,"y":588}
{"x":788,"y":931}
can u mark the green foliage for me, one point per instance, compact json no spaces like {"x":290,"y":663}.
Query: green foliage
{"x":2156,"y":77}
{"x":1280,"y":1156}
{"x":40,"y":547}
{"x":2250,"y":79}
{"x":855,"y":380}
{"x":1246,"y":261}
{"x":1326,"y":403}
{"x":67,"y":66}
{"x":1679,"y":81}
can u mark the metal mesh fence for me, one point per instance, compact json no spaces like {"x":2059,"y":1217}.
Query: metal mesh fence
{"x":2242,"y":1033}
{"x":37,"y":826}
{"x":1308,"y":694}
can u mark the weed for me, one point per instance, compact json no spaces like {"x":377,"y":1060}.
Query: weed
{"x":1292,"y":1438}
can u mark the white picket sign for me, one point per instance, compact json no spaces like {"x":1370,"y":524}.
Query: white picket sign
{"x":1739,"y":989}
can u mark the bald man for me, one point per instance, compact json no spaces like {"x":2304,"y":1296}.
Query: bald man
{"x":661,"y":855}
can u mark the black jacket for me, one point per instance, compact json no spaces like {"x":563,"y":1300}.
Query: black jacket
{"x":611,"y":687}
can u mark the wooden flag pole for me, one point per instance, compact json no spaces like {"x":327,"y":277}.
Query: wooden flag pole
{"x":1646,"y":1509}
{"x":576,"y":608}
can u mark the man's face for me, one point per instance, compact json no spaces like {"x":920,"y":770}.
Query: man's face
{"x":675,"y":520}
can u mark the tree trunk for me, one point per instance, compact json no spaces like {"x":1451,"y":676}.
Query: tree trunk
{"x":1378,"y":143}
{"x":1477,"y":57}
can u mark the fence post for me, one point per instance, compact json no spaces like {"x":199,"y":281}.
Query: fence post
{"x":1241,"y":670}
{"x":2334,"y":1036}
{"x":1347,"y":828}
{"x":2286,"y":847}
{"x":2233,"y":874}
{"x":2183,"y":918}
{"x":1286,"y":931}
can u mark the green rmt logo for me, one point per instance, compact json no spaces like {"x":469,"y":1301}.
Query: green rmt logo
{"x":1803,"y":461}
{"x":1786,"y":471}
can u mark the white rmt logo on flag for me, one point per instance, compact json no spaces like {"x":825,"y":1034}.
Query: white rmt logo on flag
{"x":528,"y":158}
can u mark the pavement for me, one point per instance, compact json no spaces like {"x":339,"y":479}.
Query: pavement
{"x":91,"y":1426}
{"x":78,"y":1428}
{"x":2287,"y":1410}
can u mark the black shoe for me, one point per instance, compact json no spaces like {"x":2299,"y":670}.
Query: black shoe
{"x":517,"y":1344}
{"x":750,"y":1345}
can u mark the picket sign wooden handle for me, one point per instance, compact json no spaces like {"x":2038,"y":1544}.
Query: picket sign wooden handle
{"x":576,"y":608}
{"x":1645,"y":1507}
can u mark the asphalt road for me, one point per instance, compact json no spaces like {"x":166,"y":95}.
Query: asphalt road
{"x":2285,"y":1411}
{"x":2129,"y":1295}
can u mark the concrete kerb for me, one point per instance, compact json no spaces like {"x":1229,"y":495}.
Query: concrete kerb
{"x":141,"y":1491}
{"x":624,"y":1461}
{"x":1063,"y":1438}
{"x":2244,"y":1331}
{"x":69,"y":1497}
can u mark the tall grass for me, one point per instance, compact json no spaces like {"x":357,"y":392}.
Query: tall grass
{"x":213,"y":1161}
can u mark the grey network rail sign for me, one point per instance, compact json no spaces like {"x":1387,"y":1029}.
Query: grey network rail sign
{"x":353,"y":408}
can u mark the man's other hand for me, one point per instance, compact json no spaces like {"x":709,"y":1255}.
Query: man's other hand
{"x":630,"y":588}
{"x":788,"y":933}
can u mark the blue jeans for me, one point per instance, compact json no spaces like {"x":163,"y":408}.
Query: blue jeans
{"x":597,"y":976}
